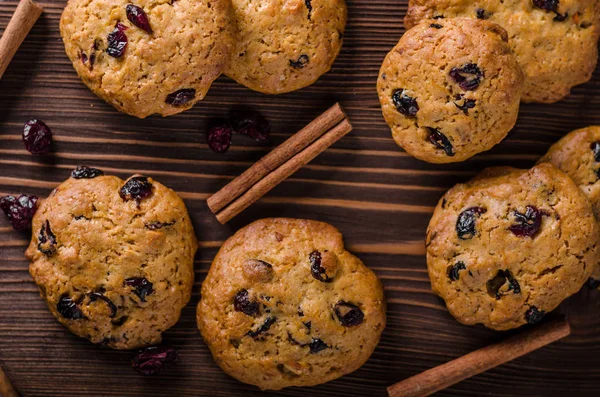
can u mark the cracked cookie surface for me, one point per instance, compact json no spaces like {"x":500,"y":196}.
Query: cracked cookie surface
{"x":113,"y":259}
{"x":284,"y":304}
{"x":532,"y":242}
{"x":578,"y":155}
{"x":450,"y":89}
{"x":161,"y":67}
{"x":554,"y":41}
{"x":285,"y":45}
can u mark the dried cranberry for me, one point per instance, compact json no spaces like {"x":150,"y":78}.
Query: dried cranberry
{"x":533,"y":315}
{"x":219,"y":138}
{"x":46,"y":239}
{"x":19,"y":210}
{"x":83,"y":172}
{"x":94,"y":296}
{"x":37,"y":137}
{"x":467,"y":77}
{"x":181,"y":97}
{"x":454,"y":270}
{"x":138,"y":17}
{"x":592,"y":283}
{"x":595,"y":146}
{"x":136,"y":188}
{"x":481,"y":13}
{"x":117,"y":41}
{"x":69,"y":309}
{"x":466,"y":222}
{"x":242,"y":303}
{"x":435,"y":26}
{"x":252,"y":124}
{"x":263,"y":328}
{"x":83,"y":57}
{"x":529,"y":223}
{"x":317,"y":271}
{"x":405,"y":104}
{"x":158,"y":225}
{"x":151,"y":360}
{"x":300,"y":63}
{"x":548,"y":5}
{"x":440,"y":141}
{"x":465,"y":105}
{"x":348,"y":314}
{"x":141,"y":287}
{"x":501,"y":278}
{"x":308,"y":4}
{"x":316,"y":345}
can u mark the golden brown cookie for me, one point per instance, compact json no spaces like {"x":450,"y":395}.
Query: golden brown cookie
{"x":285,"y":45}
{"x":578,"y":155}
{"x":450,"y":89}
{"x":284,"y":304}
{"x":554,"y":41}
{"x":154,"y":56}
{"x":114,"y":260}
{"x":511,"y":245}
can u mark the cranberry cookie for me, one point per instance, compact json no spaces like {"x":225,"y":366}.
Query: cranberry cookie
{"x":285,"y":45}
{"x":578,"y":155}
{"x":511,"y":245}
{"x":450,"y":89}
{"x":554,"y":41}
{"x":284,"y":304}
{"x":113,"y":260}
{"x":153,"y":56}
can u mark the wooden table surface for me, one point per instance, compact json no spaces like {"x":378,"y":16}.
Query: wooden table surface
{"x":379,"y":197}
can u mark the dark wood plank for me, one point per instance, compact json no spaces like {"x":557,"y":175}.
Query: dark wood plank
{"x":379,"y":197}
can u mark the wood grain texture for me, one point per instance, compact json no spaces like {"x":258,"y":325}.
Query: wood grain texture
{"x":378,"y":196}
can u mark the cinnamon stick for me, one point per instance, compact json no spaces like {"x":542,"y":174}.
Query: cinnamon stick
{"x":284,"y":171}
{"x":6,"y":388}
{"x":276,"y":158}
{"x":481,"y":360}
{"x":20,"y":24}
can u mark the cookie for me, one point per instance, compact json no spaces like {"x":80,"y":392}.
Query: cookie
{"x":450,"y":89}
{"x":511,"y":245}
{"x":151,"y":57}
{"x":284,"y":304}
{"x":578,"y":155}
{"x":112,"y":259}
{"x":554,"y":41}
{"x":285,"y":45}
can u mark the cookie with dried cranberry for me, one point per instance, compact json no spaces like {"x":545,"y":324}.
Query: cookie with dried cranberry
{"x":113,"y":259}
{"x":450,"y":89}
{"x":511,"y":245}
{"x":578,"y":155}
{"x":285,"y":45}
{"x":555,"y":41}
{"x":148,"y":57}
{"x":284,"y":304}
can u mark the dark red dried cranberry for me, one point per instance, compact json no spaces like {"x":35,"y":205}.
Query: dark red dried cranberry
{"x":308,"y":4}
{"x":300,"y":63}
{"x":404,"y":103}
{"x":94,"y":296}
{"x":83,"y":172}
{"x":529,"y":223}
{"x":263,"y":328}
{"x":317,"y":271}
{"x":136,"y":188}
{"x":83,"y":57}
{"x":141,"y":287}
{"x":219,"y":138}
{"x":440,"y":141}
{"x":348,"y":314}
{"x":242,"y":303}
{"x":595,"y":146}
{"x":19,"y":210}
{"x":501,"y":278}
{"x":547,"y":5}
{"x":69,"y":309}
{"x":250,"y":123}
{"x":465,"y":105}
{"x":533,"y":315}
{"x":117,"y":41}
{"x":481,"y":14}
{"x":37,"y":137}
{"x":454,"y":270}
{"x":151,"y":360}
{"x":138,"y":17}
{"x":466,"y":222}
{"x":592,"y":283}
{"x":435,"y":26}
{"x":46,"y":239}
{"x":181,"y":97}
{"x":158,"y":225}
{"x":467,"y":77}
{"x":317,"y":345}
